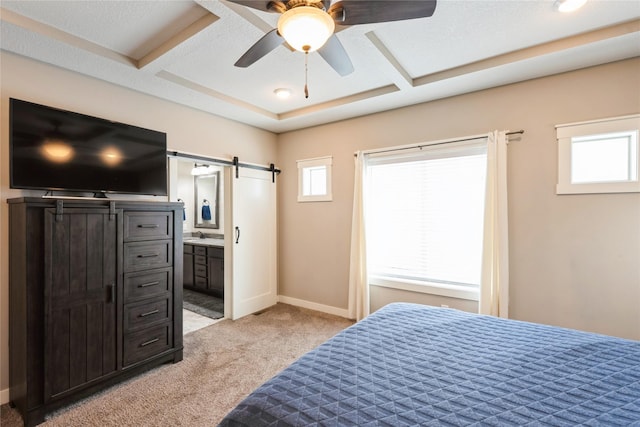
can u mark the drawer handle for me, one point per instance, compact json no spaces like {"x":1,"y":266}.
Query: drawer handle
{"x":144,"y":344}
{"x":149,"y":313}
{"x":145,"y":285}
{"x":148,"y":225}
{"x":147,"y":255}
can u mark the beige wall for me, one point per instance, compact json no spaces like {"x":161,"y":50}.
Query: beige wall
{"x":574,"y":260}
{"x":187,"y":130}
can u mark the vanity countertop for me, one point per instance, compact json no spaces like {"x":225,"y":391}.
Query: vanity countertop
{"x":204,"y":242}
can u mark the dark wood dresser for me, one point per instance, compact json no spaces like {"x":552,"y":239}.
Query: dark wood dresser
{"x":95,"y":296}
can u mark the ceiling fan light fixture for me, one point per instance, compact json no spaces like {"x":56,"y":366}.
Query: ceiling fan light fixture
{"x":567,"y":6}
{"x":306,"y":28}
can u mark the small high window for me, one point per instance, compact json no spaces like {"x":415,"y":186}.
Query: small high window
{"x":314,"y":180}
{"x":599,"y":157}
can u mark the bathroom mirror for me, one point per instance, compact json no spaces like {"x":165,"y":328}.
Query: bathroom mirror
{"x":206,"y":196}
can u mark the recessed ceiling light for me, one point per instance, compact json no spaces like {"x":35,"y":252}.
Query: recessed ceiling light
{"x":566,"y":6}
{"x":282,"y":92}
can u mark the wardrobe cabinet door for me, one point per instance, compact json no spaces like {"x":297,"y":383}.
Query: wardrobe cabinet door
{"x":81,"y":297}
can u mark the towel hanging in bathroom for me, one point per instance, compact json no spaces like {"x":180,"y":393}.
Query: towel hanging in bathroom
{"x":206,"y":210}
{"x":184,"y":210}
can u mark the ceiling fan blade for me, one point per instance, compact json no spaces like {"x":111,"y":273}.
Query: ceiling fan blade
{"x":255,"y":4}
{"x":266,"y":44}
{"x":333,"y":52}
{"x":353,"y":12}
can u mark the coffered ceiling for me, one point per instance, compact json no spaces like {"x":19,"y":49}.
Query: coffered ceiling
{"x":184,"y":51}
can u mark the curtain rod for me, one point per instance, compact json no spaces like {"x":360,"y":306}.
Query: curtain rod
{"x":515,"y":132}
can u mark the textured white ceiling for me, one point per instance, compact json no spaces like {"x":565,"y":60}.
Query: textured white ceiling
{"x":184,"y":51}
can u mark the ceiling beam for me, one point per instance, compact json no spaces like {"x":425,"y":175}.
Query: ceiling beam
{"x":213,"y":93}
{"x":177,"y":39}
{"x":402,"y":77}
{"x":63,"y":37}
{"x":578,"y":40}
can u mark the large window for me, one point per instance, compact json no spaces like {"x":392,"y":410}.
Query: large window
{"x":424,"y":213}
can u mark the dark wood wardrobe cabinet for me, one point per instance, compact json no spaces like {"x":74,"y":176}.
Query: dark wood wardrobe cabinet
{"x":95,"y":293}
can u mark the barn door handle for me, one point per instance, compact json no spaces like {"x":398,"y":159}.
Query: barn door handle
{"x":111,"y":293}
{"x":237,"y":234}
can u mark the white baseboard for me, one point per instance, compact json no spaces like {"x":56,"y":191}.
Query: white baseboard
{"x":342,"y":312}
{"x":4,"y":396}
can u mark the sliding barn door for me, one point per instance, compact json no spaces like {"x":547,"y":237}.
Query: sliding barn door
{"x":253,"y":249}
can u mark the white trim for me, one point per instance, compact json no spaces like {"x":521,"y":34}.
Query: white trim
{"x":317,"y":161}
{"x":342,"y":312}
{"x":440,"y":289}
{"x":604,"y":188}
{"x":4,"y":396}
{"x":608,"y":119}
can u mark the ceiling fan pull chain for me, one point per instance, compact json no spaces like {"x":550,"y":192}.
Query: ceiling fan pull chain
{"x":306,"y":72}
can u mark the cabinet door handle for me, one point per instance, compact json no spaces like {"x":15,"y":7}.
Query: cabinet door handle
{"x":148,"y":226}
{"x":146,"y":343}
{"x":144,"y":285}
{"x":149,"y":313}
{"x":237,"y":234}
{"x":147,"y":255}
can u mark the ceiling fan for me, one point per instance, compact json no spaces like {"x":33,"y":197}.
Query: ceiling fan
{"x":308,"y":25}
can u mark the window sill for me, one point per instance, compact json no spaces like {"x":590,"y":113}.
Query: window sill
{"x":324,"y":198}
{"x":599,"y":188}
{"x":452,"y":291}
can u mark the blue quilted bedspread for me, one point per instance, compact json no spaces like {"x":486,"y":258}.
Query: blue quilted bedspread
{"x":413,"y":365}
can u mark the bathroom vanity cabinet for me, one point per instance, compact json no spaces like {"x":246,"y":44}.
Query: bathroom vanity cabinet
{"x":205,"y":272}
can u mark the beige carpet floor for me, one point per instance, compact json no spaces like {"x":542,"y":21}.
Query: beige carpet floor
{"x":222,"y":364}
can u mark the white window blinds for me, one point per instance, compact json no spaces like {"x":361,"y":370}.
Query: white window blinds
{"x":424,"y":213}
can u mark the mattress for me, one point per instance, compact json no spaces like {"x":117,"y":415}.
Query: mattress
{"x":410,"y":364}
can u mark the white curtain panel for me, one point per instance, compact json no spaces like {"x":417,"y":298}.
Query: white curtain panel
{"x":494,"y":286}
{"x":358,"y":278}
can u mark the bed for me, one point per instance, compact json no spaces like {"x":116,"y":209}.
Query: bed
{"x":410,"y":364}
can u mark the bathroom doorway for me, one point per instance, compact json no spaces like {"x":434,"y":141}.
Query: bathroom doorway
{"x":199,"y":185}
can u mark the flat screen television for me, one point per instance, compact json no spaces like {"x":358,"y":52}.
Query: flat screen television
{"x":58,"y":150}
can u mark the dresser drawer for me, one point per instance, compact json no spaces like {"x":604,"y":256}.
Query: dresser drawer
{"x":145,"y":255}
{"x":200,"y":250}
{"x":146,"y":343}
{"x":147,"y":284}
{"x":145,"y":314}
{"x":199,"y":259}
{"x":147,"y":225}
